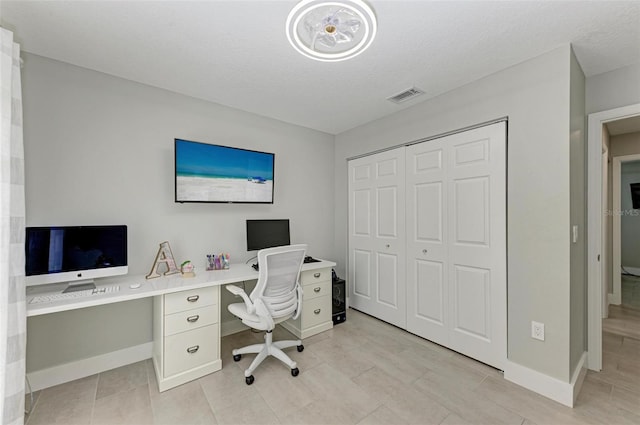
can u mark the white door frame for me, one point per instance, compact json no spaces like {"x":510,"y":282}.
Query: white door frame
{"x":605,"y":233}
{"x":594,"y":222}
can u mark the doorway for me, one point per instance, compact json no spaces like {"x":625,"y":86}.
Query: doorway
{"x":597,"y":213}
{"x":626,"y":221}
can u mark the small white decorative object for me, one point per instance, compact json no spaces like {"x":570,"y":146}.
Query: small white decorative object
{"x":187,"y":269}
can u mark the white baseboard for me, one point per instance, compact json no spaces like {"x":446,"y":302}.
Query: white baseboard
{"x":60,"y":374}
{"x":615,"y":299}
{"x":555,"y":389}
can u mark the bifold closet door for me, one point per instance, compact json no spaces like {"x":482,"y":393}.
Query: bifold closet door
{"x":377,"y":232}
{"x":456,"y":242}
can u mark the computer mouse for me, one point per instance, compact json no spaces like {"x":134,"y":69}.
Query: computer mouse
{"x":135,"y":285}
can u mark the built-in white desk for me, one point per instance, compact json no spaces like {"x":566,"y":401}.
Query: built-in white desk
{"x":186,"y":322}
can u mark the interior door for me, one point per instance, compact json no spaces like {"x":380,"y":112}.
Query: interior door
{"x":427,"y":241}
{"x":377,"y":236}
{"x":456,"y":243}
{"x":477,"y":248}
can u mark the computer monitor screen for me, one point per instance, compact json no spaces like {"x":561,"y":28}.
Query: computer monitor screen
{"x":74,"y":253}
{"x":263,"y":234}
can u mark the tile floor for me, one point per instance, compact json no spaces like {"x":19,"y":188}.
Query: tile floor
{"x":362,"y":372}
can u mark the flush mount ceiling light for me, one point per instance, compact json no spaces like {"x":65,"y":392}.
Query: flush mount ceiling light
{"x":331,"y":31}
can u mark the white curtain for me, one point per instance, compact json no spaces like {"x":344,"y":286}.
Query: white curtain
{"x":13,"y":319}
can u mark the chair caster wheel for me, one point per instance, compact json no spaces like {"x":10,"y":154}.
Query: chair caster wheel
{"x":300,"y":348}
{"x":237,"y":357}
{"x":249,"y":380}
{"x":295,"y":372}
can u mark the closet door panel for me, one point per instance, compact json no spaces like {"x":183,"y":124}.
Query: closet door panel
{"x":377,"y":235}
{"x":477,"y":252}
{"x":429,"y":305}
{"x":361,"y":276}
{"x":427,"y":294}
{"x":387,"y":280}
{"x":472,"y":287}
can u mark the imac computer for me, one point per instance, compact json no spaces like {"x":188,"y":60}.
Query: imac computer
{"x":74,"y":254}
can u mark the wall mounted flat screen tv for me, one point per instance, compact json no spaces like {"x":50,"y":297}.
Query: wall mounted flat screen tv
{"x":214,"y":173}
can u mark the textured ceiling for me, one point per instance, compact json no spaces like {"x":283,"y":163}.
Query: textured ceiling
{"x":236,"y":53}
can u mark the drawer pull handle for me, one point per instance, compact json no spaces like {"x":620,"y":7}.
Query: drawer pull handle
{"x":193,"y":319}
{"x":193,"y":298}
{"x":316,"y":290}
{"x":192,"y":350}
{"x":316,"y":311}
{"x":316,"y":275}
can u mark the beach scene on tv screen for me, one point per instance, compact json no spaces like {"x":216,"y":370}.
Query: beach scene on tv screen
{"x":211,"y":173}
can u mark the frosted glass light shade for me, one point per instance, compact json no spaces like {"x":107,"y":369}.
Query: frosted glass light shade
{"x":331,"y":31}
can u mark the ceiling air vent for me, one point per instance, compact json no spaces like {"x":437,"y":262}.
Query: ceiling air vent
{"x":406,"y":95}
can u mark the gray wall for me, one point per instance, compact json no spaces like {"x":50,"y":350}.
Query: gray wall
{"x":535,"y":96}
{"x":99,"y":150}
{"x":578,"y":141}
{"x":620,"y":87}
{"x":625,"y":144}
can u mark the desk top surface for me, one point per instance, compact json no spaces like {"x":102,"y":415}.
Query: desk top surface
{"x":148,"y":287}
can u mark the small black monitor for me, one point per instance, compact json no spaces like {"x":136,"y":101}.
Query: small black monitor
{"x":263,"y":234}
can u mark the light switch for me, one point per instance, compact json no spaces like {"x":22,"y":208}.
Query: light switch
{"x":575,"y":233}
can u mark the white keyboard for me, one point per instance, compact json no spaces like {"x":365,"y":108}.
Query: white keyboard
{"x":47,"y":298}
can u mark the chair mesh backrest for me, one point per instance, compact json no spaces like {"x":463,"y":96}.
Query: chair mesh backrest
{"x":278,"y":278}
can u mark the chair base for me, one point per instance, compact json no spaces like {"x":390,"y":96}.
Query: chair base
{"x":268,"y":348}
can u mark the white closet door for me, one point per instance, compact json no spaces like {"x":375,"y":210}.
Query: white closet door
{"x":456,"y":244}
{"x":427,"y":241}
{"x":478,"y":248}
{"x":377,"y":236}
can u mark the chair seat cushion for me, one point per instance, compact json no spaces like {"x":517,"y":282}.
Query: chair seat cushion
{"x":249,"y":319}
{"x":252,"y":320}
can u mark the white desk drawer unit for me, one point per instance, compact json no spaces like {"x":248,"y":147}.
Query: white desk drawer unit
{"x":186,"y":333}
{"x":187,"y":300}
{"x":316,"y":304}
{"x":188,"y":350}
{"x":190,"y":319}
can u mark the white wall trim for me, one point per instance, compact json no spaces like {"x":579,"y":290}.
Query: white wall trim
{"x":594,"y":225}
{"x":66,"y":372}
{"x":550,"y":387}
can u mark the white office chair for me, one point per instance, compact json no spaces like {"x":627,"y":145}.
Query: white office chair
{"x":276,"y":298}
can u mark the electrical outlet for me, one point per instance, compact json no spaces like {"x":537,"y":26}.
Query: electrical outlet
{"x":537,"y":330}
